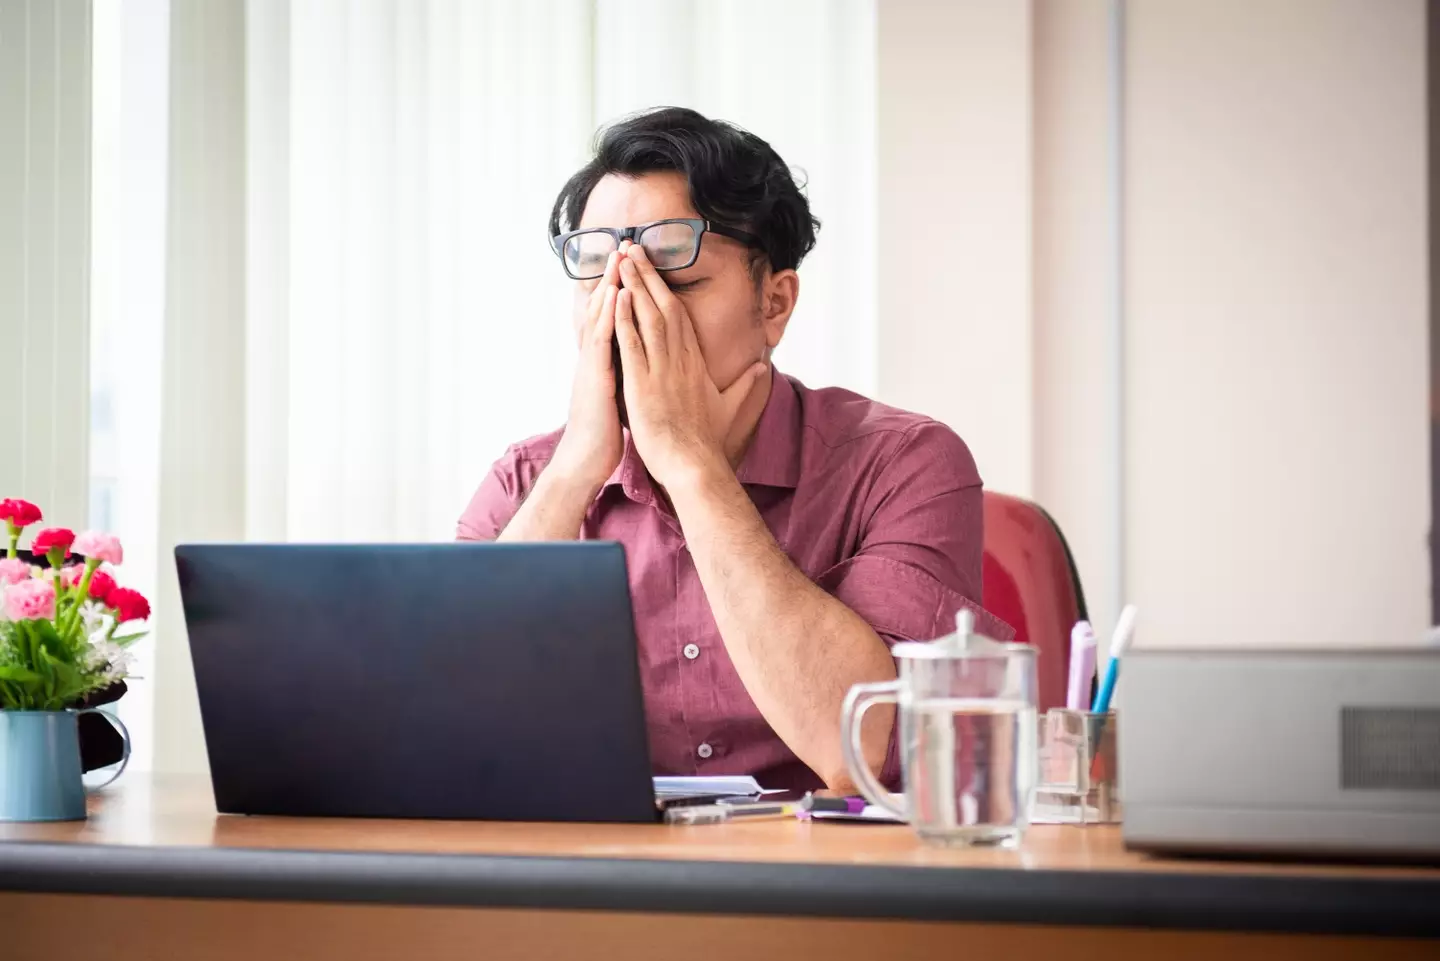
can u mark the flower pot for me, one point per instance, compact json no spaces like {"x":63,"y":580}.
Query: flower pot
{"x":40,"y":765}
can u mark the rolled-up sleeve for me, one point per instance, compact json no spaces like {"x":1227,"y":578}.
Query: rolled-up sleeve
{"x":495,"y":502}
{"x":918,"y":562}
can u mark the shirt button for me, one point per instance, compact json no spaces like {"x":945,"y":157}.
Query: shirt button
{"x":704,"y":750}
{"x":692,"y":651}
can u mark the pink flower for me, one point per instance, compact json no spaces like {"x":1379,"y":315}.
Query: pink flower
{"x":19,"y":513}
{"x":71,"y":574}
{"x":129,"y":605}
{"x":99,"y":547}
{"x":13,"y":571}
{"x":53,"y":539}
{"x":30,"y":600}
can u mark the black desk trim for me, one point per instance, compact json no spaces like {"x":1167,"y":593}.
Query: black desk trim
{"x":1305,"y":904}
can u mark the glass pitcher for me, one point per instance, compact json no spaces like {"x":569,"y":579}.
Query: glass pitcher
{"x":965,"y":705}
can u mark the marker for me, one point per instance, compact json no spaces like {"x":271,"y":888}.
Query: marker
{"x":719,"y":813}
{"x":1082,"y":665}
{"x":833,"y":805}
{"x":1119,"y":643}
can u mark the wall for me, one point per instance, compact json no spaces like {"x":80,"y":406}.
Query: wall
{"x":44,"y":255}
{"x":1276,"y":302}
{"x":1077,"y":472}
{"x":953,"y":167}
{"x":1273,"y":444}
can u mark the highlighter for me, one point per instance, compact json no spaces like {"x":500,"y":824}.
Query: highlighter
{"x":1082,"y":665}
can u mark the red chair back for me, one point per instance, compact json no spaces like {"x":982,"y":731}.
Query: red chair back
{"x":1030,"y":583}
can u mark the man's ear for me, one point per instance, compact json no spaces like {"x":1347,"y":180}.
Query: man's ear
{"x":778,"y":294}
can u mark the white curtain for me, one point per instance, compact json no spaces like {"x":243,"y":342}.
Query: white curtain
{"x":45,"y":140}
{"x":406,"y":319}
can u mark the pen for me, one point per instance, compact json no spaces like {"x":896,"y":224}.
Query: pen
{"x":1124,"y":631}
{"x":1082,"y":665}
{"x":719,"y":813}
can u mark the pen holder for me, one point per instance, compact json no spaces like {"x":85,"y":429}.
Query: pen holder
{"x":1079,"y":773}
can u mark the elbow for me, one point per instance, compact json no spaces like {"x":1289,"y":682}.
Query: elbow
{"x":881,"y":757}
{"x":839,"y":779}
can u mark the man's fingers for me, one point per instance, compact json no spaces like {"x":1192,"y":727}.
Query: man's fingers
{"x":604,"y":326}
{"x":688,"y":340}
{"x":733,"y":396}
{"x":605,"y":301}
{"x":627,"y":335}
{"x":648,"y":316}
{"x":678,"y":329}
{"x":660,"y":292}
{"x":611,"y":278}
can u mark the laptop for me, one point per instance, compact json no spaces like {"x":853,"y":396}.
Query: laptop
{"x":488,"y":681}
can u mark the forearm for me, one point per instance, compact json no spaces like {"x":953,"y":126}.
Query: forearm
{"x":797,"y":649}
{"x":554,"y":509}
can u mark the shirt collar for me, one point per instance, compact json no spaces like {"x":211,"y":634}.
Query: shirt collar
{"x":773,"y":458}
{"x":630,"y":473}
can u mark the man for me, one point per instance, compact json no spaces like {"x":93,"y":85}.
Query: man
{"x":778,"y":538}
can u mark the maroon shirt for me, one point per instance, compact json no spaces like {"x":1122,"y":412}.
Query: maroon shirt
{"x":878,"y":506}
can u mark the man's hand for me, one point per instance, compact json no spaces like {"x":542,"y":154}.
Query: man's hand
{"x":592,"y":444}
{"x":679,"y":419}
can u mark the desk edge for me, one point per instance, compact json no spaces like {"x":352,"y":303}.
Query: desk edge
{"x":1186,"y":901}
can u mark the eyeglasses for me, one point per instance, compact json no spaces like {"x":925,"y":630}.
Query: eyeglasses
{"x":670,"y":245}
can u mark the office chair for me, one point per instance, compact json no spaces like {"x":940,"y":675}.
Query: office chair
{"x":1031,"y":583}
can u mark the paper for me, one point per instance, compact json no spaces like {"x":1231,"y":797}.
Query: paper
{"x":871,"y":813}
{"x":727,"y":786}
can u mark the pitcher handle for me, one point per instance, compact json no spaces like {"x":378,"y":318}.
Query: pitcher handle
{"x":860,"y":699}
{"x":125,"y":736}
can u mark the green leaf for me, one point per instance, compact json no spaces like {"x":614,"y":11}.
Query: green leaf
{"x":125,"y":640}
{"x":67,"y":683}
{"x":13,"y":672}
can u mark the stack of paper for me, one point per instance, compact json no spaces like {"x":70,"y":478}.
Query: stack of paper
{"x":726,"y":786}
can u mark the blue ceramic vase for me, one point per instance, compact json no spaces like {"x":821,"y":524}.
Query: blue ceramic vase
{"x":40,"y":765}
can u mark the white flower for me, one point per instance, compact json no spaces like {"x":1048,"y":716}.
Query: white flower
{"x":106,"y":654}
{"x":93,"y":618}
{"x":121,"y":663}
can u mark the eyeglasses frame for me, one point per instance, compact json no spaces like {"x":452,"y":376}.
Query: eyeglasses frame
{"x":622,"y":234}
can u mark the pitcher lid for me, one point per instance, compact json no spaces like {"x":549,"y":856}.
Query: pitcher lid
{"x":964,"y":643}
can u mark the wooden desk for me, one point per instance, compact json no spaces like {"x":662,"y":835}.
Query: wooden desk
{"x":156,"y":873}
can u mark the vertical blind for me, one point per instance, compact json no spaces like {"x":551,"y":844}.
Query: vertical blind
{"x":44,"y":254}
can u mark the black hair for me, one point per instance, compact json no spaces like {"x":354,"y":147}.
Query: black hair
{"x":736,"y":179}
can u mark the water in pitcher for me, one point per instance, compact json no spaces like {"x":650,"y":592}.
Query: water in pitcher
{"x":970,"y":768}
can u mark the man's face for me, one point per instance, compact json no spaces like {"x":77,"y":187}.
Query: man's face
{"x":719,"y":291}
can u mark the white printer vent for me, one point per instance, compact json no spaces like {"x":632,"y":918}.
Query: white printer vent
{"x":1395,"y":748}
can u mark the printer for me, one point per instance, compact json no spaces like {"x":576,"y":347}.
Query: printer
{"x":1289,"y":752}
